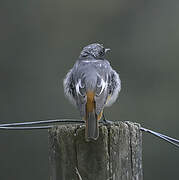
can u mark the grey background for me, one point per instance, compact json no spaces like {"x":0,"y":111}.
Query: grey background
{"x":40,"y":41}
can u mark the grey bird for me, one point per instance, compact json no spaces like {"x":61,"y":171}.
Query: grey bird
{"x":91,"y":85}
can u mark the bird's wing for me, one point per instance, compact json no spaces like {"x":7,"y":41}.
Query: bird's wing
{"x":107,"y":84}
{"x":69,"y":87}
{"x":114,"y":87}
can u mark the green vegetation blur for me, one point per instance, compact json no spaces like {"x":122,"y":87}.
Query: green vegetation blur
{"x":40,"y":41}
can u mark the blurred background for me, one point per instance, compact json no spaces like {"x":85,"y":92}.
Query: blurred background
{"x":40,"y":41}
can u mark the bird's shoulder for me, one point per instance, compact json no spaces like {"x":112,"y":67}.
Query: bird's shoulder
{"x":98,"y":63}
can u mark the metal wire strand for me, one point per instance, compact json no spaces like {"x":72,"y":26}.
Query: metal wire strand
{"x":162,"y":136}
{"x":26,"y":127}
{"x":66,"y":121}
{"x":22,"y":126}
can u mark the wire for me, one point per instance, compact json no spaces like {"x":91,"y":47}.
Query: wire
{"x":22,"y":126}
{"x":162,"y":136}
{"x":26,"y":128}
{"x":43,"y":122}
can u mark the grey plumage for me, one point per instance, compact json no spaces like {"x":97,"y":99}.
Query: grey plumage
{"x":92,"y":73}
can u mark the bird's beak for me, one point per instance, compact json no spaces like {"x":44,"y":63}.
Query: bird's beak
{"x":107,"y":49}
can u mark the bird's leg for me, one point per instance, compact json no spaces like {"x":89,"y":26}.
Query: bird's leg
{"x":104,"y":121}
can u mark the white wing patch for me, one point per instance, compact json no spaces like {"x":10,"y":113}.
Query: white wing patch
{"x":103,"y":85}
{"x":78,"y":85}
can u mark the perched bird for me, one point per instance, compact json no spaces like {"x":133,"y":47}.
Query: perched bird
{"x":91,"y":85}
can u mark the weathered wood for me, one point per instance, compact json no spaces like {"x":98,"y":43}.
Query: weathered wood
{"x":115,"y":155}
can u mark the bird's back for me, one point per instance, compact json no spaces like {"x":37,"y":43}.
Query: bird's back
{"x":90,"y":84}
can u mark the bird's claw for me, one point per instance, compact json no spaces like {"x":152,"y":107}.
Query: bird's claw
{"x":105,"y":122}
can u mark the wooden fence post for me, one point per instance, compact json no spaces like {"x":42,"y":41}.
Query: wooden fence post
{"x":115,"y":155}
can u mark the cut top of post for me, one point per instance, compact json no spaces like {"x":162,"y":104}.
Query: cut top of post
{"x":115,"y":155}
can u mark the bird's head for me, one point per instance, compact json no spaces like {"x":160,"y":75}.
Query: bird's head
{"x":96,"y":50}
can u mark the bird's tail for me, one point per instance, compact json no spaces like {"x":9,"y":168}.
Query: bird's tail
{"x":92,"y":129}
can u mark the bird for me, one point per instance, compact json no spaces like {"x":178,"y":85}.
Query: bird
{"x":91,"y":85}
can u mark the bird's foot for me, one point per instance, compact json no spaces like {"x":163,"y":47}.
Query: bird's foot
{"x":105,"y":121}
